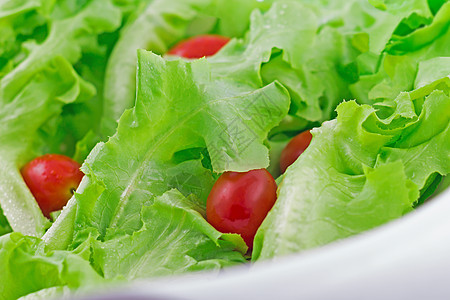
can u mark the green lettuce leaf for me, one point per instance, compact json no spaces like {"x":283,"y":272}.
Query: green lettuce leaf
{"x":70,"y":29}
{"x":60,"y":235}
{"x":166,"y":142}
{"x":360,"y":171}
{"x":139,"y":163}
{"x":19,"y":20}
{"x":40,"y":89}
{"x":156,"y":26}
{"x":174,"y":239}
{"x":142,"y":160}
{"x":348,"y":43}
{"x":152,"y":26}
{"x":27,"y":268}
{"x":21,"y":119}
{"x":399,"y":65}
{"x":77,"y":129}
{"x":422,"y":36}
{"x":64,"y":39}
{"x":351,"y":36}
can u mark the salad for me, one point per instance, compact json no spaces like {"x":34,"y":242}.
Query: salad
{"x":210,"y":133}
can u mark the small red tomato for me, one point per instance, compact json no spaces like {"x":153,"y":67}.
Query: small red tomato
{"x":294,"y":148}
{"x":239,"y":202}
{"x":52,"y":179}
{"x":199,"y":46}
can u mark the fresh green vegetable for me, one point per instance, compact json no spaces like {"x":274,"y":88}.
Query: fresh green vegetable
{"x":39,"y":88}
{"x":156,"y":26}
{"x":40,"y":99}
{"x":361,"y":170}
{"x":27,"y":267}
{"x":164,"y":124}
{"x":70,"y":69}
{"x":174,"y":239}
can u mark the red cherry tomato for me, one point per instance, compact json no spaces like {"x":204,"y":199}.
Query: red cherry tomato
{"x":294,"y":148}
{"x":52,"y":179}
{"x":199,"y":46}
{"x":239,"y":202}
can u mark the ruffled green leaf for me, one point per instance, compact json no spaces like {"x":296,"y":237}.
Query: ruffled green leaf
{"x":156,"y":26}
{"x":27,"y":268}
{"x":360,"y":171}
{"x":21,"y":119}
{"x":140,"y":161}
{"x":174,"y":239}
